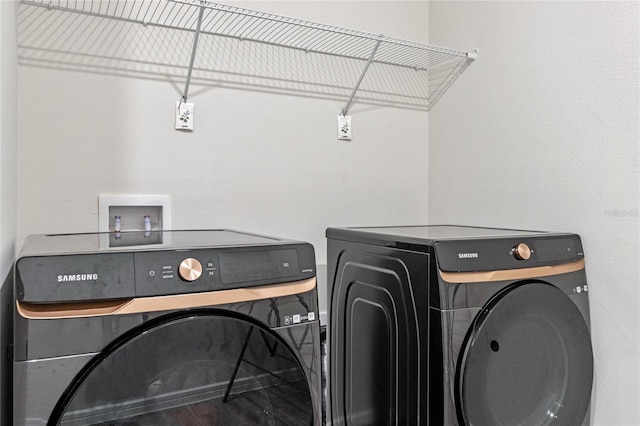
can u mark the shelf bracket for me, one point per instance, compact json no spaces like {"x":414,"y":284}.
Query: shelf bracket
{"x":193,"y":53}
{"x":345,"y":110}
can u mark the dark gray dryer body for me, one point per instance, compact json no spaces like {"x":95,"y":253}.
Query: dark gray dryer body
{"x":174,"y":327}
{"x":449,"y":325}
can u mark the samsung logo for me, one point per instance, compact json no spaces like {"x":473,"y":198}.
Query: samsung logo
{"x":467,"y":255}
{"x":77,"y":277}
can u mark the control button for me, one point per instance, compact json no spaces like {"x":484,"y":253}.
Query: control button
{"x":522,"y":252}
{"x":190,"y":269}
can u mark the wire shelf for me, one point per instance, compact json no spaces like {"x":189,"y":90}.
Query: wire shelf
{"x":236,"y":46}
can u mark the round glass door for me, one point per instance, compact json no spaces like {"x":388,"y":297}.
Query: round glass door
{"x":527,"y":361}
{"x":191,"y":369}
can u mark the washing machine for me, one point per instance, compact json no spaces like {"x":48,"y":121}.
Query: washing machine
{"x":208,"y":327}
{"x":456,"y":325}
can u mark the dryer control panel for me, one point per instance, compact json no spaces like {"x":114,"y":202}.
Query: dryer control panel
{"x":472,"y":255}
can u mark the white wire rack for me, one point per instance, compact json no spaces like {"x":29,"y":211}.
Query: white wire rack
{"x":222,"y":43}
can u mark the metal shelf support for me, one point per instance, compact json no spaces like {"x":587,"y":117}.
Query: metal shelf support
{"x":345,"y":110}
{"x":194,"y":49}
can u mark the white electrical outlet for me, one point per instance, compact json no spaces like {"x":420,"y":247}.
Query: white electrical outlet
{"x":344,"y":127}
{"x":184,"y":115}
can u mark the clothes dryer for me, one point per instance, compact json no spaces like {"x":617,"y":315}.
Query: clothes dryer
{"x":175,"y":327}
{"x":450,"y":325}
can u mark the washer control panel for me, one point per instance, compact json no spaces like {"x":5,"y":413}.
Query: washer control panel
{"x":159,"y":273}
{"x":176,"y":272}
{"x":106,"y":276}
{"x":74,"y":268}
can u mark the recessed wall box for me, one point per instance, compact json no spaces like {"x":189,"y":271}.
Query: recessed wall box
{"x":134,"y":212}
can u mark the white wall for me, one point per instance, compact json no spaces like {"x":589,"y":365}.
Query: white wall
{"x":8,"y":142}
{"x":8,"y":134}
{"x":256,"y":161}
{"x":542,"y":133}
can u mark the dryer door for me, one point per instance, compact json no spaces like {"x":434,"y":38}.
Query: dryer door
{"x":205,"y":367}
{"x":527,"y":361}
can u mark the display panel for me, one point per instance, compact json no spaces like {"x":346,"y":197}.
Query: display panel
{"x":555,"y":249}
{"x":241,"y":266}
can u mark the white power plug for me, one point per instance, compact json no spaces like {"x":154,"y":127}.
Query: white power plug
{"x":184,"y":115}
{"x":344,"y":127}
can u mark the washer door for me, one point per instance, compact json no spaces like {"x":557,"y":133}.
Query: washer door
{"x":191,"y":369}
{"x":527,"y":361}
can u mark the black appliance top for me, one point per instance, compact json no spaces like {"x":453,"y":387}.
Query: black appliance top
{"x":424,"y":234}
{"x":60,"y":244}
{"x":468,"y":248}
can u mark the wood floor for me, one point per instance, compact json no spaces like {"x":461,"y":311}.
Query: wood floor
{"x":286,"y":405}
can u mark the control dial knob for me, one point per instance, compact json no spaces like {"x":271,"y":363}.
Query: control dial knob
{"x":190,"y":269}
{"x":522,"y":252}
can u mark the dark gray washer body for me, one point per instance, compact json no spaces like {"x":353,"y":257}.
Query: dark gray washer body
{"x":50,"y":355}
